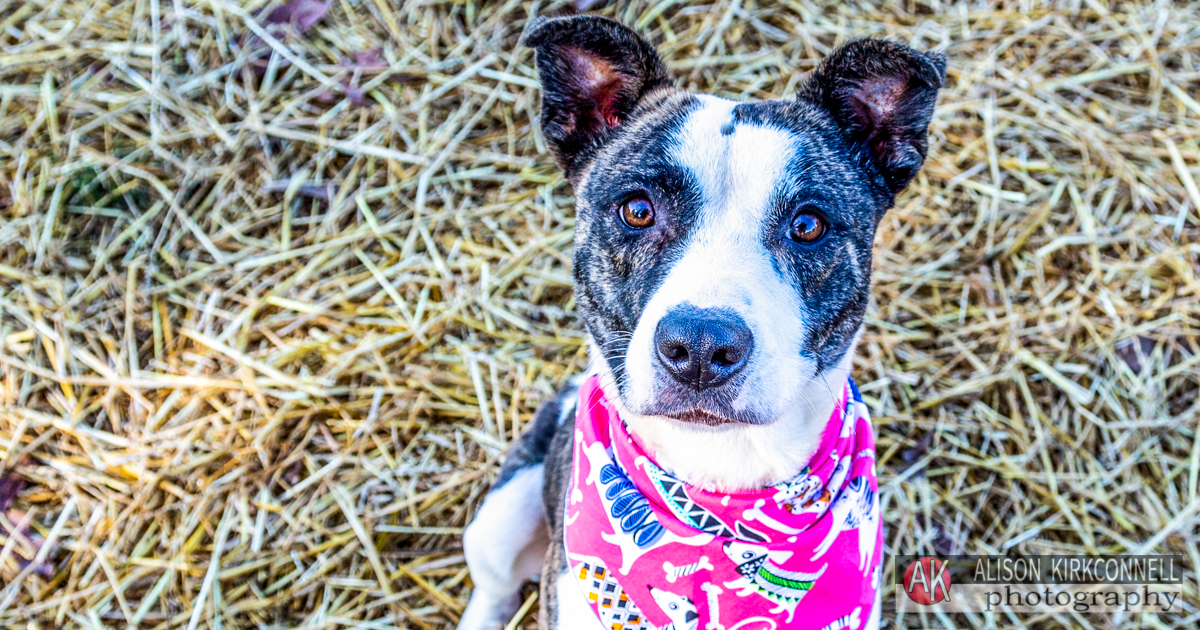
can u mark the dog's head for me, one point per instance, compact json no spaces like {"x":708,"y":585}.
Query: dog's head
{"x":723,"y":249}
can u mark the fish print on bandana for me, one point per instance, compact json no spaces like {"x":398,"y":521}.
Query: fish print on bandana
{"x":659,"y":553}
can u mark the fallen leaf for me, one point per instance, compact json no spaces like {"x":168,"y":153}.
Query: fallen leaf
{"x":300,"y":14}
{"x":356,"y":94}
{"x":911,"y":455}
{"x":366,"y":60}
{"x":1139,"y":352}
{"x":943,"y":544}
{"x":10,"y":486}
{"x":292,"y":476}
{"x":28,"y":546}
{"x":1134,"y":351}
{"x":360,"y":61}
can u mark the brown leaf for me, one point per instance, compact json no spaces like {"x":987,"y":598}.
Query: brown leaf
{"x":10,"y":486}
{"x":292,"y":476}
{"x":23,"y":554}
{"x":356,"y":94}
{"x":366,"y":60}
{"x":301,"y":14}
{"x":1138,"y":352}
{"x":943,"y":544}
{"x":911,"y":455}
{"x":360,"y":61}
{"x":1134,"y":351}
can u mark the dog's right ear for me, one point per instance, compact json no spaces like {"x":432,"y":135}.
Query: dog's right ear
{"x":593,"y":72}
{"x":882,"y":95}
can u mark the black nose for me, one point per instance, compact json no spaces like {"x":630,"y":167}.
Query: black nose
{"x":702,"y":347}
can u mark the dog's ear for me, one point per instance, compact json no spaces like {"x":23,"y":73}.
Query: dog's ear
{"x":593,"y":72}
{"x":881,"y":94}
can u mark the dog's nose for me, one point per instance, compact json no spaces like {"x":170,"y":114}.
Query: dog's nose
{"x":702,"y":347}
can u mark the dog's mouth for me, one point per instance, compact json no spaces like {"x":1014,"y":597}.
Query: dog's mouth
{"x":711,"y":407}
{"x":707,"y":418}
{"x":700,"y":416}
{"x":703,"y":411}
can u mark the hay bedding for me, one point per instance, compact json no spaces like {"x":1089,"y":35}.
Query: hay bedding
{"x":278,"y":285}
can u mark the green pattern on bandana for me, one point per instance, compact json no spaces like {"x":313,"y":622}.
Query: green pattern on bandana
{"x":782,"y":581}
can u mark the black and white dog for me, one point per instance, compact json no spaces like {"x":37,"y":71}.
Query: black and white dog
{"x":722,"y":267}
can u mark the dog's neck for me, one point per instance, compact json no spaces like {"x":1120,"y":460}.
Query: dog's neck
{"x":738,"y":457}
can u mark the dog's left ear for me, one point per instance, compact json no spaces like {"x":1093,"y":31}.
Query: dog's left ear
{"x":593,"y":72}
{"x":882,"y":95}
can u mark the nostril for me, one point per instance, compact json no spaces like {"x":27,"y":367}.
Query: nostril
{"x":676,"y":352}
{"x":722,"y":358}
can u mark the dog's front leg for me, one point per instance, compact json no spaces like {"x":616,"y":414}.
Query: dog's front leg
{"x":504,"y":546}
{"x":506,"y":543}
{"x":562,"y":605}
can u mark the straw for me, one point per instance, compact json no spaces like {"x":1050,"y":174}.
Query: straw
{"x":278,"y":289}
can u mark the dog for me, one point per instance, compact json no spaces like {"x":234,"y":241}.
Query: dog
{"x":722,"y":268}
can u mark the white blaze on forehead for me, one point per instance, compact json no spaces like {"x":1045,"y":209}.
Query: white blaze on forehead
{"x":725,"y":263}
{"x":737,"y":171}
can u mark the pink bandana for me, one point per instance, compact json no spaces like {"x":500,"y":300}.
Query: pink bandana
{"x":650,"y":551}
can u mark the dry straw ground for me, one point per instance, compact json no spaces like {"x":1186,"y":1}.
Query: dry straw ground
{"x":274,"y":299}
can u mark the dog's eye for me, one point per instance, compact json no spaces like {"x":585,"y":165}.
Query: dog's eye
{"x":807,"y":228}
{"x":638,"y":213}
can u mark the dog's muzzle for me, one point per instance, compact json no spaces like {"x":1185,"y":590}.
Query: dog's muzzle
{"x":700,"y":355}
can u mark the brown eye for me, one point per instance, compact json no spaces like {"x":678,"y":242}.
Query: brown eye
{"x":807,"y":228}
{"x":638,"y":213}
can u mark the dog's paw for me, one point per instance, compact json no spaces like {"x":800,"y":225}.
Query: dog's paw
{"x":488,"y":613}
